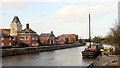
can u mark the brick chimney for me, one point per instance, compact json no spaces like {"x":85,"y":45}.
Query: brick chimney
{"x":27,"y":26}
{"x":51,"y":32}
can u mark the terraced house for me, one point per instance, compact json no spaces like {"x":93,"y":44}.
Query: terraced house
{"x":28,"y":36}
{"x":16,"y":36}
{"x":47,"y":38}
{"x":68,"y":39}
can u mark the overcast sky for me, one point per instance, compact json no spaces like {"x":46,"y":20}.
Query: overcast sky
{"x":61,"y":16}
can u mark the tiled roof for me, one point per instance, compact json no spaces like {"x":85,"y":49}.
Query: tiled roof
{"x":45,"y":34}
{"x":4,"y":35}
{"x":27,"y":31}
{"x":65,"y":34}
{"x":7,"y":30}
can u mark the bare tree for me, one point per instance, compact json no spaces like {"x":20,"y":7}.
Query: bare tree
{"x":114,"y":37}
{"x":97,"y":39}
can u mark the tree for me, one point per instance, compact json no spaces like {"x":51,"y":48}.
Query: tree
{"x":38,"y":40}
{"x":97,"y":39}
{"x":114,"y":37}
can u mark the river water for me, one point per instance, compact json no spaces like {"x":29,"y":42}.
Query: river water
{"x":63,"y":57}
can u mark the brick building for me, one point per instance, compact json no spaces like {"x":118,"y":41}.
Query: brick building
{"x":5,"y":31}
{"x":68,"y":39}
{"x":47,"y":38}
{"x":28,"y":36}
{"x":5,"y":40}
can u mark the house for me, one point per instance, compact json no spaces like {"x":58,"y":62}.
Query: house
{"x":5,"y":40}
{"x":68,"y":38}
{"x":47,"y":38}
{"x":28,"y":36}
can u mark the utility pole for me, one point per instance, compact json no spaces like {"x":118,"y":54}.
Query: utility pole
{"x":89,"y":31}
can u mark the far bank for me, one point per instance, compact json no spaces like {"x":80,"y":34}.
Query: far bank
{"x":18,"y":51}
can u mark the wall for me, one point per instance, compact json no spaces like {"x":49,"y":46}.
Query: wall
{"x":17,"y":51}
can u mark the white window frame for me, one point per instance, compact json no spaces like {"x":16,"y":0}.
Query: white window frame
{"x":36,"y":38}
{"x":33,"y":38}
{"x":9,"y":44}
{"x":33,"y":44}
{"x":36,"y":44}
{"x":21,"y":38}
{"x":2,"y":38}
{"x":2,"y":44}
{"x":9,"y":38}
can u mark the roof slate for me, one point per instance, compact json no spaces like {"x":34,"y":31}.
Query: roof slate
{"x":27,"y":31}
{"x":4,"y":35}
{"x":45,"y":34}
{"x":7,"y":30}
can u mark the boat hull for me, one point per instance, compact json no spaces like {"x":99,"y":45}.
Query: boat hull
{"x":90,"y":54}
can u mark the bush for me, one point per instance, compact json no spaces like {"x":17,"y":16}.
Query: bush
{"x":117,"y":51}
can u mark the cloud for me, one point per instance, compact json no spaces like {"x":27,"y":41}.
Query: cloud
{"x":72,"y":13}
{"x":16,"y":0}
{"x":23,"y":3}
{"x":39,"y":21}
{"x":62,"y":1}
{"x":14,"y":5}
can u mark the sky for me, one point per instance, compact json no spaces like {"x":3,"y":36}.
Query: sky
{"x":61,"y":16}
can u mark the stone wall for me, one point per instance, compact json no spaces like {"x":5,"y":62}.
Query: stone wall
{"x":18,"y":51}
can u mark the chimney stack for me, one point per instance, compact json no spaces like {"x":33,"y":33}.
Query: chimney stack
{"x":27,"y":26}
{"x":51,"y":32}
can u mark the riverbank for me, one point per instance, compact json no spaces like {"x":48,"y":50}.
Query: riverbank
{"x":18,"y":51}
{"x":110,"y":61}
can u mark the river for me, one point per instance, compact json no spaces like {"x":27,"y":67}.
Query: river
{"x":63,"y":57}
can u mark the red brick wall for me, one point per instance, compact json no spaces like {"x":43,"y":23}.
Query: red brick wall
{"x":29,"y":41}
{"x":6,"y":41}
{"x":72,"y":38}
{"x":43,"y":39}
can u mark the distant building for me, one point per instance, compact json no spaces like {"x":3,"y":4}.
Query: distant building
{"x":5,"y":40}
{"x":58,"y":41}
{"x":15,"y":26}
{"x":47,"y":38}
{"x":28,"y":36}
{"x":68,"y":38}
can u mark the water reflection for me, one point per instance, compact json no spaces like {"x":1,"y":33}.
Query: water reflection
{"x":64,"y":57}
